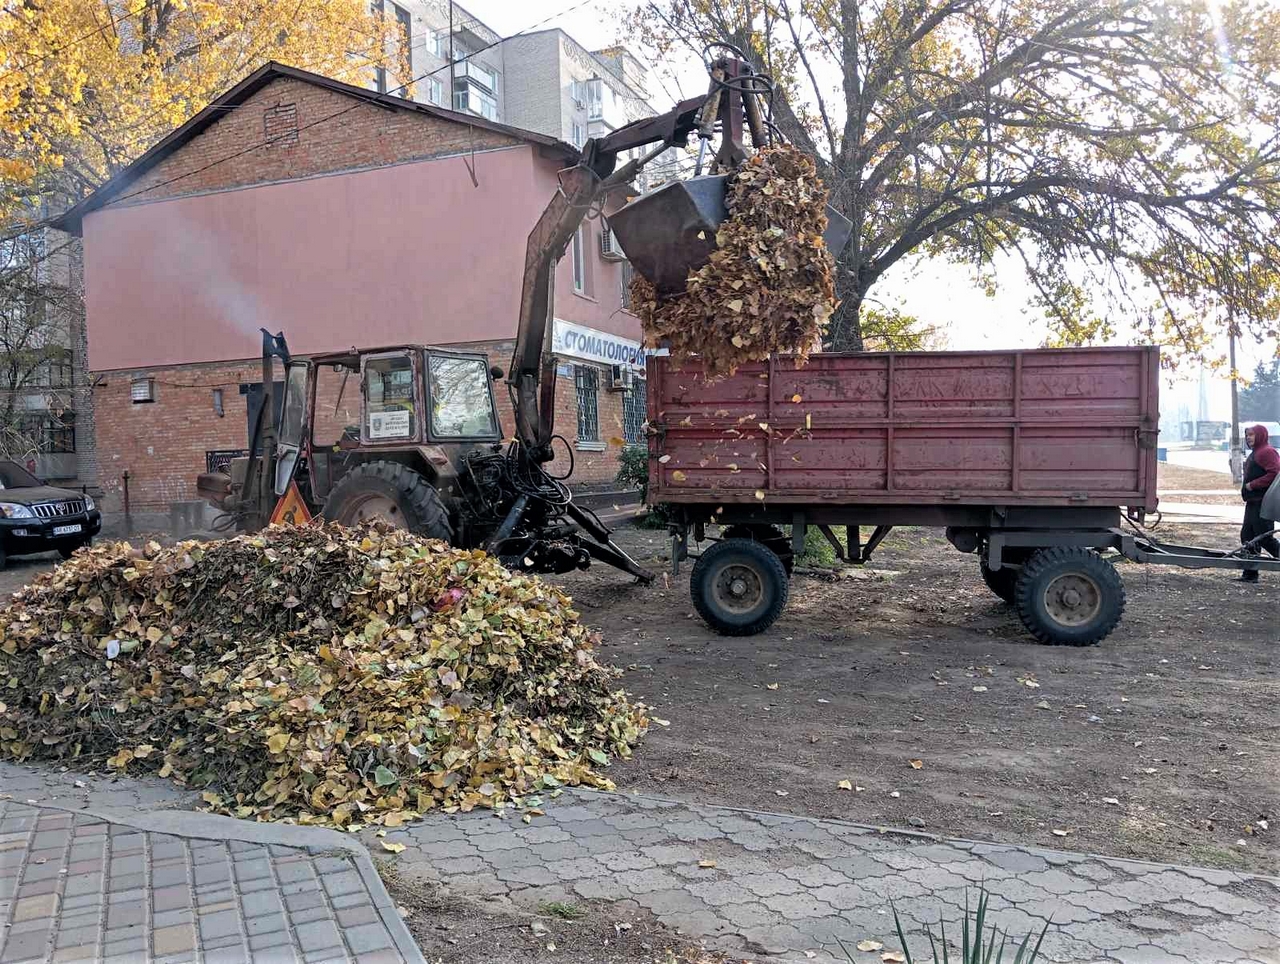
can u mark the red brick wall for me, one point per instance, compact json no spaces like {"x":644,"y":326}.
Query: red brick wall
{"x":162,"y":444}
{"x":364,"y":136}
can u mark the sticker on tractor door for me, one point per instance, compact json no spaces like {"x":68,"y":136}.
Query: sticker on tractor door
{"x":394,"y":424}
{"x":291,"y":510}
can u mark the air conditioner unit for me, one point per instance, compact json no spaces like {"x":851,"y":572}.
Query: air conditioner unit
{"x":610,"y":250}
{"x":620,"y":378}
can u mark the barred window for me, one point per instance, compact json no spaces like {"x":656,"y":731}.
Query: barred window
{"x":634,"y":414}
{"x":587,"y":382}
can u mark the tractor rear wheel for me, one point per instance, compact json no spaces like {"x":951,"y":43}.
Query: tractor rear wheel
{"x":391,"y":493}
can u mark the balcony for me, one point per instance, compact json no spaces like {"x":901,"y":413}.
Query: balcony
{"x":482,"y":76}
{"x":469,"y":97}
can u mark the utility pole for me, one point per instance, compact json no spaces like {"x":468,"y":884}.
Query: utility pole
{"x":452,"y":97}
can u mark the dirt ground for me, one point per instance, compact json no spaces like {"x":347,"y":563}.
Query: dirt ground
{"x":464,"y":931}
{"x":1162,"y":742}
{"x":1171,"y":476}
{"x":1159,"y":743}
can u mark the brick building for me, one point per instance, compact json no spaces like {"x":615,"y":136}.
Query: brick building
{"x":300,"y":204}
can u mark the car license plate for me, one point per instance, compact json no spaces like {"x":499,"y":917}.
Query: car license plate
{"x":66,"y":530}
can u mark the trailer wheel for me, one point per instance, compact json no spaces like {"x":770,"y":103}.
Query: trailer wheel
{"x":739,"y":586}
{"x":1069,"y":596}
{"x":770,"y":536}
{"x":391,"y":493}
{"x":1003,"y":581}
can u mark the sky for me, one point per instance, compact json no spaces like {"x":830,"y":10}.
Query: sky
{"x":940,"y":293}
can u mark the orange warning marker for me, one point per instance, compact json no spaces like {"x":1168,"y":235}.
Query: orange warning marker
{"x":291,"y":510}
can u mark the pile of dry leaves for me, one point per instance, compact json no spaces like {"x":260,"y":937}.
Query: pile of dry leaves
{"x":768,"y":288}
{"x":325,"y":674}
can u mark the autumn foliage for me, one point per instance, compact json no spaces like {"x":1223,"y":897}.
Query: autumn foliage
{"x":321,"y":674}
{"x":768,"y":287}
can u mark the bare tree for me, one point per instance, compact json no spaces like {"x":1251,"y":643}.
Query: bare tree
{"x":1126,"y":153}
{"x":36,"y":381}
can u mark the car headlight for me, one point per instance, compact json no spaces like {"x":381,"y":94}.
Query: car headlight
{"x":11,"y":510}
{"x":89,"y":504}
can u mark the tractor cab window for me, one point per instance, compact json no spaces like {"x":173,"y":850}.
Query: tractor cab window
{"x":292,"y":425}
{"x":389,"y":399}
{"x":461,"y":402}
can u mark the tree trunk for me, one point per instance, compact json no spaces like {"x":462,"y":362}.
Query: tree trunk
{"x":844,"y":331}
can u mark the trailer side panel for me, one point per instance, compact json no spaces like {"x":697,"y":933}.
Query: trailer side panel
{"x":1039,"y":427}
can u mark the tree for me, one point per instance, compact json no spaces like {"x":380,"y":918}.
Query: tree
{"x":1126,"y":153}
{"x":1260,"y":401}
{"x":36,"y":391}
{"x":87,"y":85}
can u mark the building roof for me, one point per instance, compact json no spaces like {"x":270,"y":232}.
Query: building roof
{"x":241,"y":92}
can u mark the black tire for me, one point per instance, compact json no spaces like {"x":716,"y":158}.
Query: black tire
{"x":1000,"y":581}
{"x":1069,"y":597}
{"x":770,"y":536}
{"x":407,"y":499}
{"x":732,"y":563}
{"x":4,"y":558}
{"x":1004,"y":581}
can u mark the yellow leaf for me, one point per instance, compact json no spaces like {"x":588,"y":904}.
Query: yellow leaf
{"x":893,"y":957}
{"x":845,"y":785}
{"x":771,"y":686}
{"x":916,"y":764}
{"x":869,"y":945}
{"x":394,"y":848}
{"x":706,"y":864}
{"x":278,"y":742}
{"x":760,"y":494}
{"x":735,"y":305}
{"x":797,"y":399}
{"x":678,"y":476}
{"x":143,"y":751}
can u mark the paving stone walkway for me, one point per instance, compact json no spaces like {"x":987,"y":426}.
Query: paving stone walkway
{"x":760,"y":884}
{"x":81,"y":885}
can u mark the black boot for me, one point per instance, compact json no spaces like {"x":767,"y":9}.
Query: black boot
{"x":1249,"y":575}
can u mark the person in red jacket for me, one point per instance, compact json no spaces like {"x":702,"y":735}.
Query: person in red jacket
{"x":1260,"y":470}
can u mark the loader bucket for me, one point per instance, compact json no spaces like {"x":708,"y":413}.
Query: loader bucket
{"x":669,"y":232}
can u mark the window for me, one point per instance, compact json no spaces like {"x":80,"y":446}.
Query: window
{"x":389,"y":398}
{"x":595,"y":98}
{"x":55,"y":371}
{"x":436,"y":91}
{"x":579,"y":265}
{"x":377,"y":8}
{"x":587,"y":382}
{"x":468,"y":97}
{"x":634,"y":411}
{"x":461,"y":405}
{"x":49,"y":432}
{"x":440,"y":44}
{"x":578,"y":136}
{"x":627,"y":274}
{"x":405,"y":23}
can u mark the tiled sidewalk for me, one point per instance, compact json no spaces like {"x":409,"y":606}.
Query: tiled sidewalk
{"x":79,"y":887}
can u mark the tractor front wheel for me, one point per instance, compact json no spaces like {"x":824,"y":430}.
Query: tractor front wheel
{"x":391,"y":493}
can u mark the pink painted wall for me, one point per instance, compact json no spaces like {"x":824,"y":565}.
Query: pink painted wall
{"x":407,"y":254}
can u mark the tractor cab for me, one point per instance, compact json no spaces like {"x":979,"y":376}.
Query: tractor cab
{"x":372,"y":434}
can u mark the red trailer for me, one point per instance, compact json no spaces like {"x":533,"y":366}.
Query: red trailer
{"x":1029,"y":459}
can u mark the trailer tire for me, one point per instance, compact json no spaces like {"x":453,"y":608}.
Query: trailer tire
{"x":1003,"y":581}
{"x":392,"y":493}
{"x":739,"y":586}
{"x":770,"y":536}
{"x":1069,"y":596}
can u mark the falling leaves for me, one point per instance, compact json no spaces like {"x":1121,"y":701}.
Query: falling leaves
{"x":408,"y":677}
{"x":916,"y":764}
{"x":768,"y":288}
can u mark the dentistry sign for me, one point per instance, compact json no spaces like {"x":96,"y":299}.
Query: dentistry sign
{"x":590,"y":344}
